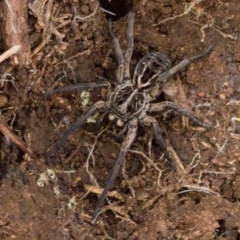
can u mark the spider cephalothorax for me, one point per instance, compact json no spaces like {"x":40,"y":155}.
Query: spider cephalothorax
{"x":131,"y":101}
{"x":131,"y":97}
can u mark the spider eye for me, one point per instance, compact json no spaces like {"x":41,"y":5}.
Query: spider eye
{"x":111,"y":117}
{"x":120,"y":123}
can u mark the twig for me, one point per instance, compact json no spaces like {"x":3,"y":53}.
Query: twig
{"x":9,"y":52}
{"x":77,"y":55}
{"x":177,"y":161}
{"x":221,"y":148}
{"x":83,"y":18}
{"x":197,"y":188}
{"x":15,"y":139}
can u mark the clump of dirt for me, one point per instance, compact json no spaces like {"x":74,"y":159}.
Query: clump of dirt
{"x":70,"y":44}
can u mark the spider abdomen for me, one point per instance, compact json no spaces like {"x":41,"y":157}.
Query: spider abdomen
{"x":148,"y":68}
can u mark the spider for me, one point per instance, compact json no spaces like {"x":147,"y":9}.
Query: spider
{"x":132,"y":100}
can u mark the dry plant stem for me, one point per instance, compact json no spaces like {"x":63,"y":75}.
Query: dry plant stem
{"x":42,"y":9}
{"x":9,"y":53}
{"x":84,"y":18}
{"x":154,"y":165}
{"x":187,"y":9}
{"x":180,"y":168}
{"x":15,"y":139}
{"x":88,"y":51}
{"x":15,"y":28}
{"x":99,"y":190}
{"x":194,"y":187}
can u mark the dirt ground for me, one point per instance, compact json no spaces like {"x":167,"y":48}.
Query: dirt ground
{"x":55,"y":199}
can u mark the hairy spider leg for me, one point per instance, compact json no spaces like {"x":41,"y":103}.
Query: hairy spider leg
{"x":123,"y":72}
{"x":118,"y":53}
{"x":80,"y":86}
{"x":129,"y":50}
{"x":100,"y":119}
{"x":184,"y":63}
{"x":130,"y":136}
{"x":76,"y":125}
{"x":151,"y":121}
{"x":160,"y":141}
{"x":121,"y":133}
{"x":162,"y":106}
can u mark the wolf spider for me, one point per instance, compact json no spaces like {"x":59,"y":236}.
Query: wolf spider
{"x":132,"y":100}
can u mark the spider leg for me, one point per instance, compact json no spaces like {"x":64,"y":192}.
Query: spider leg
{"x":148,"y":120}
{"x":159,"y":107}
{"x":80,"y":86}
{"x":129,"y":50}
{"x":131,"y":134}
{"x":76,"y":125}
{"x":184,"y":63}
{"x":118,"y":52}
{"x":160,"y":141}
{"x":120,"y":134}
{"x":100,"y":120}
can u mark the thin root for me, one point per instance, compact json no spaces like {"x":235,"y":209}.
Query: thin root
{"x":152,"y":164}
{"x":187,"y":9}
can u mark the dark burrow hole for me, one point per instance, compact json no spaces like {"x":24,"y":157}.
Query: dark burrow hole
{"x":224,"y":232}
{"x":119,"y":8}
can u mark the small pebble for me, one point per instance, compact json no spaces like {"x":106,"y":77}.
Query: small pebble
{"x":201,"y":94}
{"x":84,"y":9}
{"x":3,"y":100}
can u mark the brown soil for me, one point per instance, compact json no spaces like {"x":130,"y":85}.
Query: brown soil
{"x":55,"y":200}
